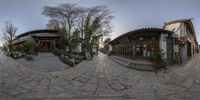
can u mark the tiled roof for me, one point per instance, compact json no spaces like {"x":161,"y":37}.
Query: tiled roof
{"x":22,"y":39}
{"x":37,"y":31}
{"x":44,"y":35}
{"x":179,"y":20}
{"x":143,"y":30}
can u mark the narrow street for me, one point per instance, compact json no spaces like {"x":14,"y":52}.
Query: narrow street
{"x":99,"y":79}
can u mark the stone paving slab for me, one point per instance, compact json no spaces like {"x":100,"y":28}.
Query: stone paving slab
{"x":44,"y":62}
{"x":143,"y":65}
{"x":99,"y":79}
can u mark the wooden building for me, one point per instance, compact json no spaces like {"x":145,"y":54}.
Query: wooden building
{"x":177,"y":39}
{"x":185,"y":42}
{"x":142,"y":43}
{"x":46,"y":39}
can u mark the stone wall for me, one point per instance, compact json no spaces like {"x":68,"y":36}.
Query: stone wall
{"x":163,"y":45}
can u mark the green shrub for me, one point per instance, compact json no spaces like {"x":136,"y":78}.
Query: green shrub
{"x":157,"y":60}
{"x":20,"y":48}
{"x":157,"y":56}
{"x":59,"y":52}
{"x":29,"y":57}
{"x":66,"y":60}
{"x":16,"y":55}
{"x":63,"y":52}
{"x":30,"y":46}
{"x":55,"y":51}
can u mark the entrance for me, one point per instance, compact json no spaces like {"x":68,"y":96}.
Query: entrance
{"x":139,"y":50}
{"x":45,"y":46}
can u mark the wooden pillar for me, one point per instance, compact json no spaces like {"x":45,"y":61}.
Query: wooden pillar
{"x":133,"y":50}
{"x":120,"y":49}
{"x":123,"y":49}
{"x":54,"y":44}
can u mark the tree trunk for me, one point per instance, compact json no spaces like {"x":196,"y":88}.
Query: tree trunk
{"x":11,"y":47}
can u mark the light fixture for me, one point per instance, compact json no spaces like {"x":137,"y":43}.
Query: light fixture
{"x":145,"y":45}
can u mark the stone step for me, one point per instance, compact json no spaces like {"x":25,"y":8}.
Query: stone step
{"x":138,"y":65}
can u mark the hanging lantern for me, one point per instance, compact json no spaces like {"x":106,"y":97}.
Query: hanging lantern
{"x":182,"y":40}
{"x":141,"y":38}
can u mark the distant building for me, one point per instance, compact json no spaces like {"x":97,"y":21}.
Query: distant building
{"x":46,"y":39}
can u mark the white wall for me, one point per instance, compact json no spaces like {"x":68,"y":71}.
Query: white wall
{"x":110,"y":47}
{"x":163,"y":45}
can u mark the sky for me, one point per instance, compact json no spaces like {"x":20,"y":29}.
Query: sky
{"x":129,"y":14}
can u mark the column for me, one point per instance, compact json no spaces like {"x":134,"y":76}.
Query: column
{"x":54,"y":44}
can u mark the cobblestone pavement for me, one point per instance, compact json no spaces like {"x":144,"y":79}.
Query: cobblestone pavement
{"x":99,"y":79}
{"x":40,"y":63}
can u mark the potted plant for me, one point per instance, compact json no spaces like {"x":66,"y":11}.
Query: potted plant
{"x":158,"y":62}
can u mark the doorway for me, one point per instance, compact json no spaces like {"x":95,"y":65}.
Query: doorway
{"x":139,"y":50}
{"x":45,"y":46}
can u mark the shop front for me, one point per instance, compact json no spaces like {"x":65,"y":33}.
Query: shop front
{"x":46,"y":45}
{"x":142,"y":43}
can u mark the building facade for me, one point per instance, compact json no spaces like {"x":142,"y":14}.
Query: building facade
{"x":46,"y":40}
{"x":184,"y":39}
{"x":143,"y":43}
{"x":177,"y":40}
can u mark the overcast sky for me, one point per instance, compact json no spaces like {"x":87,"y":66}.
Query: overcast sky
{"x":129,"y":14}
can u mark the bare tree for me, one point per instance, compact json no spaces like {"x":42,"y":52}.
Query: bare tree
{"x":9,"y":32}
{"x":66,"y":13}
{"x":53,"y":24}
{"x":90,"y":23}
{"x":81,"y":19}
